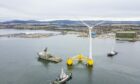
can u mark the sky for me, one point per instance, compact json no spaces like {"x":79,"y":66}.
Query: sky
{"x":70,"y":9}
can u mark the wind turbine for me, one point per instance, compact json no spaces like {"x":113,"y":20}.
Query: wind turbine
{"x":90,"y":36}
{"x":80,"y":57}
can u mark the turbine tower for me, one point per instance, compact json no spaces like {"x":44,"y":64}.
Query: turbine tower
{"x":90,"y":36}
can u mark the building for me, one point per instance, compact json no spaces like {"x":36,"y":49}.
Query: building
{"x":126,"y":35}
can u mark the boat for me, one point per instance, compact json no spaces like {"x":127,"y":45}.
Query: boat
{"x":63,"y":78}
{"x":112,"y":53}
{"x":46,"y":56}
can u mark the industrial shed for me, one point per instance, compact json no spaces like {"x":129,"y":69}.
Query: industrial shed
{"x":126,"y":35}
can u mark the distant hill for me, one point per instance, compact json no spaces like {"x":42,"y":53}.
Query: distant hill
{"x":66,"y":22}
{"x":122,"y":22}
{"x":21,"y":21}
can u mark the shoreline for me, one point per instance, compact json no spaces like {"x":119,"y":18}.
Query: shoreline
{"x":24,"y":35}
{"x":64,"y":32}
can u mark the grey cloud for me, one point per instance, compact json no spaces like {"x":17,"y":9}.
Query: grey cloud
{"x":51,"y":9}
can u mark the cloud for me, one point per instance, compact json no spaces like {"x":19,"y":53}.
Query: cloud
{"x":69,"y":9}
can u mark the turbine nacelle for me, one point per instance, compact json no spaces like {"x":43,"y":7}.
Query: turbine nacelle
{"x":90,"y":28}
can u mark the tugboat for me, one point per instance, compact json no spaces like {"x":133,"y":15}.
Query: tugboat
{"x":112,"y":53}
{"x":44,"y":55}
{"x":63,"y":78}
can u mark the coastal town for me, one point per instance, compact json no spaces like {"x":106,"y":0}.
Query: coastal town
{"x":128,"y":30}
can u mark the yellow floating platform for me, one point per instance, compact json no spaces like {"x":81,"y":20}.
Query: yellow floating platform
{"x":80,"y":58}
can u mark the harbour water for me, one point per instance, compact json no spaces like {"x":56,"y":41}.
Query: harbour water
{"x":26,"y":31}
{"x":19,"y":62}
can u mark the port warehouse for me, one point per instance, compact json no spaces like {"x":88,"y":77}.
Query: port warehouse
{"x":126,"y":35}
